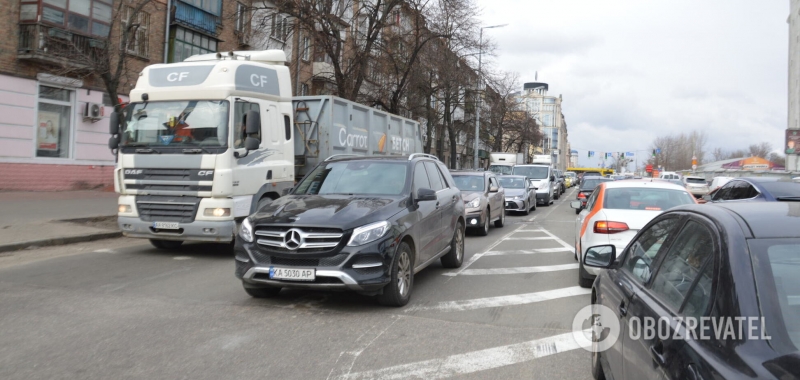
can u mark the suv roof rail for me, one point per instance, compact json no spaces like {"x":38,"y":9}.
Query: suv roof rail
{"x":414,"y":155}
{"x":337,"y":156}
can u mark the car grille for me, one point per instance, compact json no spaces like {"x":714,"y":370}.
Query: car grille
{"x":330,"y":261}
{"x":306,"y":240}
{"x":154,"y":208}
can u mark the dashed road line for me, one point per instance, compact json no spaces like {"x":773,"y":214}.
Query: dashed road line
{"x":511,"y":300}
{"x":531,"y":238}
{"x":527,"y":251}
{"x":475,"y":361}
{"x":519,"y":270}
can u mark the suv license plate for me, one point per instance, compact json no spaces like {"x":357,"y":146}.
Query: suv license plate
{"x":166,"y":225}
{"x":292,"y":274}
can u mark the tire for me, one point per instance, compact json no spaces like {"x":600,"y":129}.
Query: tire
{"x":527,"y":208}
{"x":556,"y":194}
{"x":166,"y":244}
{"x":485,"y":227}
{"x":547,"y":201}
{"x":455,"y":257}
{"x":499,"y":223}
{"x":266,"y":292}
{"x":582,"y":280}
{"x":533,"y":204}
{"x":398,"y":291}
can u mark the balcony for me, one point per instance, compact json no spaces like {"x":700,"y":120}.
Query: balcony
{"x":195,"y":18}
{"x":46,"y":44}
{"x":322,"y":71}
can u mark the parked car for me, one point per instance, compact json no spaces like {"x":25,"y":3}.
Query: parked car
{"x":715,"y":262}
{"x":520,"y":193}
{"x":561,"y":186}
{"x":364,"y":224}
{"x":769,"y":189}
{"x":669,"y":175}
{"x":717,"y":182}
{"x":616,"y":211}
{"x":543,"y":178}
{"x":484,"y":199}
{"x":696,"y":185}
{"x":586,"y":188}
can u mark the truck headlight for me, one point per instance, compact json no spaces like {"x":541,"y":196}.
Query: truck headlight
{"x":369,"y":233}
{"x":124,"y":209}
{"x":218,"y":212}
{"x":246,"y":231}
{"x":475,"y":203}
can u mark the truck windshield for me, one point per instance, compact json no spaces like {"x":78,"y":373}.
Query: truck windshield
{"x":176,"y":123}
{"x":534,"y":172}
{"x":501,"y":169}
{"x":356,"y":178}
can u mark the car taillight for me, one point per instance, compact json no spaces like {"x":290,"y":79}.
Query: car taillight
{"x":581,"y":196}
{"x":606,"y":227}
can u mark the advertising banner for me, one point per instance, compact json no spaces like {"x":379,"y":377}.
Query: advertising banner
{"x":792,"y":141}
{"x":49,"y":130}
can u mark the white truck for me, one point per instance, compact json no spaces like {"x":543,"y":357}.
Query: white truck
{"x":503,"y":163}
{"x":542,"y":159}
{"x":208,"y":141}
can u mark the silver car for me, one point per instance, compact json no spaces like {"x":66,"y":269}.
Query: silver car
{"x":520,"y":193}
{"x":484,"y":199}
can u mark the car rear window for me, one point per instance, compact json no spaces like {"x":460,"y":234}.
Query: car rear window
{"x":696,"y":180}
{"x":469,"y":182}
{"x":590,"y":184}
{"x":645,"y":198}
{"x":782,"y":189}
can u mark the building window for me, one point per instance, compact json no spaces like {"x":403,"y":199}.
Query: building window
{"x":54,"y":122}
{"x":138,"y":38}
{"x":210,"y":6}
{"x":88,"y":17}
{"x":304,"y":90}
{"x":279,"y":28}
{"x":241,"y":18}
{"x":187,"y":43}
{"x":306,"y":48}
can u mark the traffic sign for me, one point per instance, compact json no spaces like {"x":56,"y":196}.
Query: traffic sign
{"x":648,"y":168}
{"x":694,"y":167}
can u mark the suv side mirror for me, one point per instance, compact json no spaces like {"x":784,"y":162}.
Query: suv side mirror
{"x":601,"y":256}
{"x":493,"y":189}
{"x":552,"y":178}
{"x":426,"y":195}
{"x":575,"y":204}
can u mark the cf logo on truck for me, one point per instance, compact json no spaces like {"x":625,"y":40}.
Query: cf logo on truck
{"x":258,"y":80}
{"x":292,"y":240}
{"x":203,"y":173}
{"x":133,"y":171}
{"x":177,"y":77}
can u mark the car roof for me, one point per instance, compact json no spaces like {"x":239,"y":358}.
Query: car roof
{"x":347,"y":157}
{"x":525,"y":165}
{"x":631,"y":183}
{"x":766,"y":220}
{"x":765,"y":179}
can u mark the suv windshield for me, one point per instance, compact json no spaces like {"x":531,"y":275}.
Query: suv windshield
{"x":777,"y":262}
{"x":355,"y":177}
{"x":178,"y":123}
{"x":469,"y":182}
{"x":512,"y":182}
{"x":534,"y":172}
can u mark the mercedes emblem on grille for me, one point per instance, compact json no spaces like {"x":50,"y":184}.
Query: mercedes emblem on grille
{"x":292,"y":240}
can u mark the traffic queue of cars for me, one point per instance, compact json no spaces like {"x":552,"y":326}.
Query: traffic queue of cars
{"x":649,"y":252}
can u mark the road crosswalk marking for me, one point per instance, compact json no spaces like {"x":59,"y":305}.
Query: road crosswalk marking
{"x":500,"y":301}
{"x":475,"y":361}
{"x":519,"y":270}
{"x":530,"y":238}
{"x":527,"y":251}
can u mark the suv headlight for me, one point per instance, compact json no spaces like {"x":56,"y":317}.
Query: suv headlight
{"x":369,"y":233}
{"x":246,"y":231}
{"x":475,"y":203}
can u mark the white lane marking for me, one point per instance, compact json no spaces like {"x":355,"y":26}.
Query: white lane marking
{"x":530,"y":238}
{"x":475,"y":361}
{"x":348,"y":358}
{"x":526,"y":251}
{"x":516,"y":299}
{"x":477,"y":256}
{"x":556,"y":238}
{"x":104,"y":250}
{"x":519,"y":270}
{"x":181,"y":258}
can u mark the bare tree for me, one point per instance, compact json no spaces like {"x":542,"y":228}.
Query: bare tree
{"x":760,"y":150}
{"x":777,"y":159}
{"x":677,"y":150}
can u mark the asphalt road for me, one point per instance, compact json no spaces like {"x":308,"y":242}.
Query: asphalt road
{"x":120,"y":309}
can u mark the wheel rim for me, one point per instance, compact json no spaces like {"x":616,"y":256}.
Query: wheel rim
{"x":459,"y":243}
{"x":403,"y":274}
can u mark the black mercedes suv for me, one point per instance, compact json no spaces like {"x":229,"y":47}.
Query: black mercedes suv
{"x":365,"y":224}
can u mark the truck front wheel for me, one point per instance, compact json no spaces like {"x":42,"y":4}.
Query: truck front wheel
{"x":165,"y":244}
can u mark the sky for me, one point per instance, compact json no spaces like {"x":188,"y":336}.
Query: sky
{"x":632,"y":70}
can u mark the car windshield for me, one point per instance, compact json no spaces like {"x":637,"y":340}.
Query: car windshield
{"x":777,"y":262}
{"x":469,"y":182}
{"x":501,"y":169}
{"x":570,"y":174}
{"x":645,"y":198}
{"x":178,"y":123}
{"x":512,"y":182}
{"x":700,"y":181}
{"x":355,"y":177}
{"x":591,"y":183}
{"x":534,"y":172}
{"x":781,"y":189}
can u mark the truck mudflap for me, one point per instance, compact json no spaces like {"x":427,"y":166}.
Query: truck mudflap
{"x":198,"y":230}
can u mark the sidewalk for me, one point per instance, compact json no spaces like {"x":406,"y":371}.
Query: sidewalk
{"x":52,"y":218}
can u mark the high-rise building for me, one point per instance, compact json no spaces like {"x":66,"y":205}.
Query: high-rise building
{"x":546,"y":110}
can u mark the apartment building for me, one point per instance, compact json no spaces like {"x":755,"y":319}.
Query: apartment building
{"x":546,"y":110}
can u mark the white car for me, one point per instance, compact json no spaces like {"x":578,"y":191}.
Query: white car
{"x":616,"y":211}
{"x":696,"y":185}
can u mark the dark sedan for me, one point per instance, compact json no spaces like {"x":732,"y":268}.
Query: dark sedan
{"x":588,"y":184}
{"x":769,"y":189}
{"x":721,"y":284}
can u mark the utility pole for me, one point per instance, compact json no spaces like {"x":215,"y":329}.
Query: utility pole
{"x":480,"y":96}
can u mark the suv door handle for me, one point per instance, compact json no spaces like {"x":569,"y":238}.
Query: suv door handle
{"x":657,"y":352}
{"x":623,"y":309}
{"x":437,"y":204}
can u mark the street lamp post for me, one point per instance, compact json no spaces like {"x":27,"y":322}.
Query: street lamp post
{"x":480,"y":83}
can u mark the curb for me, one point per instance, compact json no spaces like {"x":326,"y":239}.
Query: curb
{"x":60,"y":240}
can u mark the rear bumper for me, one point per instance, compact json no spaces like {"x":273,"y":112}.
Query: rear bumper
{"x":221,"y":232}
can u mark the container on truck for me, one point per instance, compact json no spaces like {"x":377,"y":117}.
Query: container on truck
{"x":208,"y":141}
{"x":542,"y":159}
{"x":503,"y":163}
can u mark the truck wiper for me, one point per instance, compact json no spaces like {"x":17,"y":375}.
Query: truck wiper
{"x":194,"y":151}
{"x":147,"y":151}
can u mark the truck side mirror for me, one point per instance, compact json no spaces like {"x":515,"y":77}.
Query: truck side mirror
{"x":113,"y":142}
{"x":253,"y":123}
{"x":113,"y":123}
{"x":251,"y":143}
